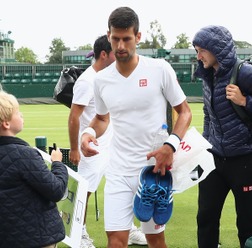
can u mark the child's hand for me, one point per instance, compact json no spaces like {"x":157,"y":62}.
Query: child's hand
{"x":56,"y":155}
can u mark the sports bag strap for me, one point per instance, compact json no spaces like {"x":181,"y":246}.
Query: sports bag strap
{"x":239,"y":109}
{"x":236,"y":69}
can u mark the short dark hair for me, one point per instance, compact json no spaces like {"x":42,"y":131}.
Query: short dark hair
{"x":101,"y":44}
{"x":124,"y":17}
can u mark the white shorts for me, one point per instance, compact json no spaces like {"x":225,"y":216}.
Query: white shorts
{"x":118,"y":205}
{"x":93,"y":169}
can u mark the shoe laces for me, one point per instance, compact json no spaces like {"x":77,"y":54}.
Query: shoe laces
{"x":86,"y":238}
{"x":136,"y":237}
{"x":136,"y":231}
{"x":164,"y":198}
{"x":86,"y":244}
{"x":149,"y":194}
{"x":136,"y":234}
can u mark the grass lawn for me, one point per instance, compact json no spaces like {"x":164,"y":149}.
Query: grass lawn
{"x":51,"y":121}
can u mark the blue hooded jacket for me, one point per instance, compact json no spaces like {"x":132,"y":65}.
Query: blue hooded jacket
{"x":223,"y":128}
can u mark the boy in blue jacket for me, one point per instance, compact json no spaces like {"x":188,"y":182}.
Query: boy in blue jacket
{"x":28,"y":189}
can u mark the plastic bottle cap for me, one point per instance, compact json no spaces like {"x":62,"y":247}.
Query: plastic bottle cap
{"x":164,"y":126}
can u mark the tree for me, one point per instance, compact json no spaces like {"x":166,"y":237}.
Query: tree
{"x":182,"y":42}
{"x":157,"y":39}
{"x":145,"y":45}
{"x":26,"y":55}
{"x":85,"y":47}
{"x":242,"y":44}
{"x":56,"y":50}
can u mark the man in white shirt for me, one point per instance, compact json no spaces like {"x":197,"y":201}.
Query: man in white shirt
{"x":133,"y":94}
{"x":82,"y":112}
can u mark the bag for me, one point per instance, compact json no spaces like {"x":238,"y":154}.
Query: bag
{"x":192,"y":156}
{"x":63,"y":91}
{"x":240,"y":110}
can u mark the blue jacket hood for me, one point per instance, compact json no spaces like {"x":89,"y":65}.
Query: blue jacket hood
{"x":217,"y":40}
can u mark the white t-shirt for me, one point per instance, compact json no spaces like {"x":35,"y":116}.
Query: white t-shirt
{"x":137,"y":106}
{"x":83,"y":94}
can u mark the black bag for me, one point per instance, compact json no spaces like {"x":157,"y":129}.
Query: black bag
{"x":63,"y":91}
{"x":240,"y":110}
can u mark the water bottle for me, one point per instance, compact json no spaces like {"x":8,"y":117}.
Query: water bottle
{"x":159,"y":139}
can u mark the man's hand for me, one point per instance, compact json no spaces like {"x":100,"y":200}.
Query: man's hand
{"x":86,"y":138}
{"x":234,"y":94}
{"x":164,"y":159}
{"x":74,"y":156}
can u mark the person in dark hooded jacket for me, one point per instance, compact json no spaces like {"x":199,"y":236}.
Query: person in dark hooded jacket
{"x":230,"y":137}
{"x":29,"y":217}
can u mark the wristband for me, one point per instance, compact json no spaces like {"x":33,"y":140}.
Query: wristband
{"x":173,"y":141}
{"x":89,"y":130}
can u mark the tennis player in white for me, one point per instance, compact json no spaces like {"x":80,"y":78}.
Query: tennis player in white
{"x":82,"y":112}
{"x":133,"y":93}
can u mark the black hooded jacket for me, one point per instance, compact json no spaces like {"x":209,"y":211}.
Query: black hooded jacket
{"x":28,"y":194}
{"x":222,"y":126}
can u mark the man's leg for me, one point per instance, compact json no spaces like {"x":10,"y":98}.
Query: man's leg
{"x":212,"y":194}
{"x":92,"y":169}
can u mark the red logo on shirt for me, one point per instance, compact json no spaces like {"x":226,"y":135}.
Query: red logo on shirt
{"x":142,"y":82}
{"x":247,"y":188}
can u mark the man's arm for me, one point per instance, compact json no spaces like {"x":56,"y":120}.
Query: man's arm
{"x":73,"y":131}
{"x":184,"y":119}
{"x":164,"y":155}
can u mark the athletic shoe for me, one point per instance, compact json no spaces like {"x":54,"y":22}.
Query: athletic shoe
{"x":136,"y":237}
{"x":146,"y":195}
{"x":86,"y":242}
{"x":164,"y":203}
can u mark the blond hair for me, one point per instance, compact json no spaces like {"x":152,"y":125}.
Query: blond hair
{"x":8,"y":104}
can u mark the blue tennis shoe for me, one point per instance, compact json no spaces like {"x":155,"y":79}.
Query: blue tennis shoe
{"x":147,"y":194}
{"x":164,"y":203}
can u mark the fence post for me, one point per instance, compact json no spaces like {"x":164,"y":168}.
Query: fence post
{"x":41,"y":143}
